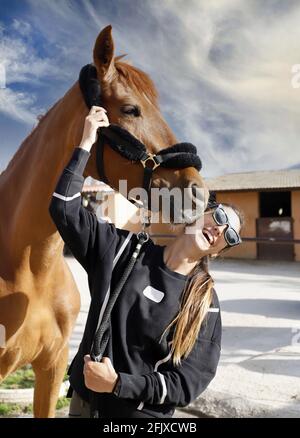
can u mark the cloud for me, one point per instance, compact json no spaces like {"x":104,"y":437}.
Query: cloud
{"x":22,"y":63}
{"x":24,"y":69}
{"x":22,"y":27}
{"x":15,"y":105}
{"x":231,"y":81}
{"x":223,"y":68}
{"x":39,"y":54}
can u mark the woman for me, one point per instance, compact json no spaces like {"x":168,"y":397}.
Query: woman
{"x":165,"y":332}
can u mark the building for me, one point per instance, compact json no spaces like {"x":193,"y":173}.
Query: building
{"x":270,"y":201}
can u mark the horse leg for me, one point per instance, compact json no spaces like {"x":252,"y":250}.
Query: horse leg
{"x":47,"y":385}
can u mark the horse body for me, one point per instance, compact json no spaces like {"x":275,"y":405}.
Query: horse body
{"x":39,"y":300}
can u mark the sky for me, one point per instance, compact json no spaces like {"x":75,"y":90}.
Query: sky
{"x":223,"y":70}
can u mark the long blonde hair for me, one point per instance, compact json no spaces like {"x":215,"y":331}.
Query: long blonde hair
{"x":196,"y":300}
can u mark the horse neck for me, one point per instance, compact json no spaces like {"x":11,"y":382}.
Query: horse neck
{"x":26,"y":186}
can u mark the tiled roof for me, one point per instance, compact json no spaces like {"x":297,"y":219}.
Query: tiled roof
{"x":277,"y":179}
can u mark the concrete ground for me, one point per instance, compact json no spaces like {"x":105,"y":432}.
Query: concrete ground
{"x":259,"y":371}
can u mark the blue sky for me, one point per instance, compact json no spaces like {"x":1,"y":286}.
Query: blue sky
{"x":222,"y":69}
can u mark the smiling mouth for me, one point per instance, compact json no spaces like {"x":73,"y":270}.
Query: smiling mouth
{"x":208,"y":236}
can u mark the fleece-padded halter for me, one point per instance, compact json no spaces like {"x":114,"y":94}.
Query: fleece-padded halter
{"x":178,"y":156}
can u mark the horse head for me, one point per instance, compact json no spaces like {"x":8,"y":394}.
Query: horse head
{"x":131,"y":101}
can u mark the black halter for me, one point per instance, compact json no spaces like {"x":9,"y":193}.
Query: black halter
{"x":178,"y":156}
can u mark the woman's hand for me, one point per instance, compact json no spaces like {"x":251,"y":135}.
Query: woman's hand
{"x":99,"y":376}
{"x":97,"y":117}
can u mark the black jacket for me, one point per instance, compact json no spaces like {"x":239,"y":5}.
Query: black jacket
{"x":150,"y":299}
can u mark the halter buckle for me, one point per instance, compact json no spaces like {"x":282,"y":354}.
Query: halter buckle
{"x":151,"y":157}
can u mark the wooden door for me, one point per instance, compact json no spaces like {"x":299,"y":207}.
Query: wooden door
{"x":276,"y":228}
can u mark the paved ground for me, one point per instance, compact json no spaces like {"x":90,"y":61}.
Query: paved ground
{"x":259,"y":372}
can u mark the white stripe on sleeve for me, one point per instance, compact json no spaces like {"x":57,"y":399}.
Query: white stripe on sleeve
{"x":164,"y":388}
{"x":66,"y":198}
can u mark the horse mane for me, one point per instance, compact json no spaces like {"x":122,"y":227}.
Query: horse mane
{"x":138,"y":79}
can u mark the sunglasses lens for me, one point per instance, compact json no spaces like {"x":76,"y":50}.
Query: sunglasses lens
{"x":231,"y":237}
{"x":220,"y":216}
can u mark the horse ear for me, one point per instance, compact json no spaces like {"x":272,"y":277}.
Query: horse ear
{"x":104,"y":54}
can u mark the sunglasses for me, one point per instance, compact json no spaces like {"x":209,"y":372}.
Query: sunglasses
{"x":231,"y":236}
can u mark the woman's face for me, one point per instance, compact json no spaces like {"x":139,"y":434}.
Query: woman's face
{"x":209,"y":238}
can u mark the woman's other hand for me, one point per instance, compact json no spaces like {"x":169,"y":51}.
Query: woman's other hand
{"x":99,"y":376}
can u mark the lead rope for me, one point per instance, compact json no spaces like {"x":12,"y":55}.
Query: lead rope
{"x":102,"y":334}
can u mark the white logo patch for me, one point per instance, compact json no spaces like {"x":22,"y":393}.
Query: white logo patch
{"x":153,"y":294}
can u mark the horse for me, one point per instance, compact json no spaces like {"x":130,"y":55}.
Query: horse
{"x":39,"y":299}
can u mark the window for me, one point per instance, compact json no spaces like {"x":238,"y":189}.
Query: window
{"x":275,"y":204}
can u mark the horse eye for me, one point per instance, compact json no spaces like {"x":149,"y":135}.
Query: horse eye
{"x":131,"y":110}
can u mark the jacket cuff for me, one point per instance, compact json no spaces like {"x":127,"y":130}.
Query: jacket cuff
{"x":78,"y":161}
{"x":130,"y":386}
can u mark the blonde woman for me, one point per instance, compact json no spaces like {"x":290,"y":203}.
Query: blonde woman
{"x":165,"y":333}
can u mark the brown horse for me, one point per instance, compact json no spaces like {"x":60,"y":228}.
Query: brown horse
{"x":39,"y":300}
